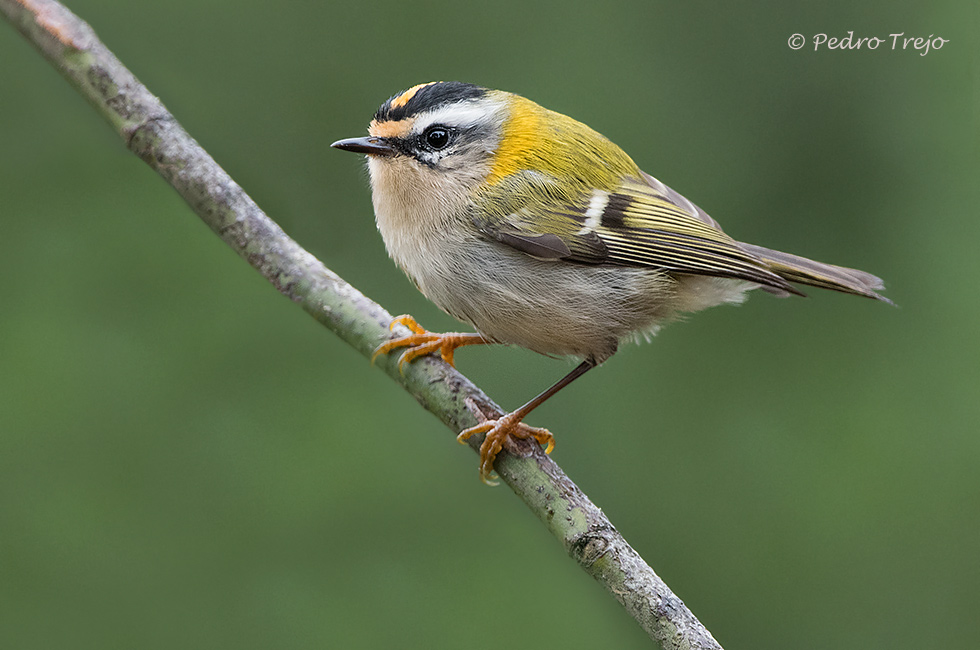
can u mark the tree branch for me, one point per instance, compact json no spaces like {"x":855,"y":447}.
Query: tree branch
{"x":153,"y":134}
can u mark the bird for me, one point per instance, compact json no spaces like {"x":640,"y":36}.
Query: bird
{"x":539,"y":232}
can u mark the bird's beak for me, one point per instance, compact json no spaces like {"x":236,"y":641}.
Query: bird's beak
{"x":370,"y":145}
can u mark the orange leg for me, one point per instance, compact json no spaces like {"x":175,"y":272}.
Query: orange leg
{"x":422,"y":342}
{"x":499,"y":433}
{"x":502,"y":430}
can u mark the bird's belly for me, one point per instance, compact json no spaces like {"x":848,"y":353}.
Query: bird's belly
{"x":551,"y":307}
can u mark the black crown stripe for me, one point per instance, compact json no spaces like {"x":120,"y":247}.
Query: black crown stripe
{"x":441,"y":93}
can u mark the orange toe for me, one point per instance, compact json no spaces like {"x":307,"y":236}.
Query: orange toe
{"x":499,"y":433}
{"x":422,"y":342}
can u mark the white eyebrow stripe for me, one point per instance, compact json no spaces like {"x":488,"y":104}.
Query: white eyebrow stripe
{"x":593,"y":215}
{"x":460,"y":114}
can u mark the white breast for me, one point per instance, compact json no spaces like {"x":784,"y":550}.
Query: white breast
{"x":419,"y":213}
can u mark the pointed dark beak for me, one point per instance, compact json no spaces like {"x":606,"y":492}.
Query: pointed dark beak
{"x":369,"y":145}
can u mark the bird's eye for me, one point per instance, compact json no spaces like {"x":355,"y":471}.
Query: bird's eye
{"x":437,"y":137}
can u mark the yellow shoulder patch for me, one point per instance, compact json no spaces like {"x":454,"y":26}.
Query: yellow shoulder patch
{"x":520,"y":139}
{"x":536,"y":138}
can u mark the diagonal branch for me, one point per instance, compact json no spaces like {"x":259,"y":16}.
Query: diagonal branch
{"x":153,"y":134}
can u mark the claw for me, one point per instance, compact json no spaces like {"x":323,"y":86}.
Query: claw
{"x":422,"y":342}
{"x":499,"y":433}
{"x":407,"y":321}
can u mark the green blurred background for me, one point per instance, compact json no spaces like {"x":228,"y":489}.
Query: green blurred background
{"x":189,"y":460}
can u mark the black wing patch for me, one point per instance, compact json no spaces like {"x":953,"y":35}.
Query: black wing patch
{"x":642,"y":222}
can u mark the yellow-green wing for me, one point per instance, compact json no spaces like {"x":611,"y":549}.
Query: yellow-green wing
{"x":640,"y":222}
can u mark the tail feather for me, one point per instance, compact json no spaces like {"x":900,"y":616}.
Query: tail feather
{"x":817,"y":274}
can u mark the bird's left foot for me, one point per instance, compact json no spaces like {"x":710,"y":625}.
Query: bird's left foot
{"x":502,"y":432}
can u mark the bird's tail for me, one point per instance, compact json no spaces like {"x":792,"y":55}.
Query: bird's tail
{"x":817,"y":274}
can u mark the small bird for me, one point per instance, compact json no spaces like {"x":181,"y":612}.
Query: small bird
{"x":540,"y":232}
